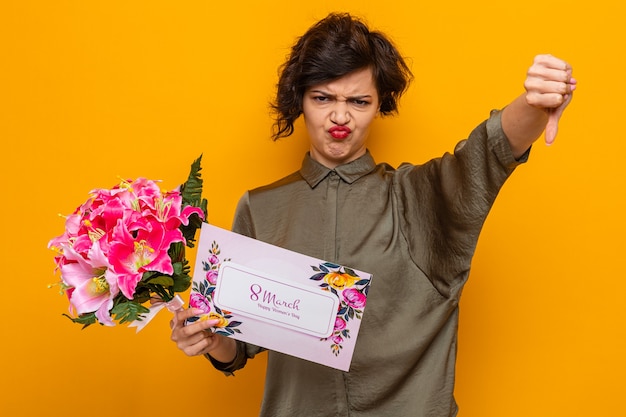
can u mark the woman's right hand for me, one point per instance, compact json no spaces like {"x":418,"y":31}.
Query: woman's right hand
{"x":197,"y":338}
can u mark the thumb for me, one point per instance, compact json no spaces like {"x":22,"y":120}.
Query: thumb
{"x":552,"y":127}
{"x":554,"y":115}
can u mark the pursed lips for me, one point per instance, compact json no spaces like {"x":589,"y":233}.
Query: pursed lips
{"x":339,"y":132}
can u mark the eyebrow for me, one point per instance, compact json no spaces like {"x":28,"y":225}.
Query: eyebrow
{"x":355,"y":97}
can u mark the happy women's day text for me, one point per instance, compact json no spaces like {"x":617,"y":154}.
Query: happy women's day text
{"x":268,"y":301}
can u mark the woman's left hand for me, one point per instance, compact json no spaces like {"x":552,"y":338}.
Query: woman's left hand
{"x":549,"y":85}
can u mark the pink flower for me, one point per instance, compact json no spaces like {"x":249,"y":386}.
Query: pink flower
{"x":92,"y":281}
{"x":130,"y":195}
{"x":211,"y":276}
{"x":104,"y":212}
{"x":340,"y":324}
{"x":167,"y":209}
{"x":131,"y":254}
{"x":116,"y":236}
{"x":197,"y":300}
{"x":354,"y":298}
{"x":144,"y":190}
{"x":337,"y":339}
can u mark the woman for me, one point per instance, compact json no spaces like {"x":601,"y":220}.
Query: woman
{"x":415,"y":227}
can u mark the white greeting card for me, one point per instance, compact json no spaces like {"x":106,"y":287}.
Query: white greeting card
{"x":279,"y":299}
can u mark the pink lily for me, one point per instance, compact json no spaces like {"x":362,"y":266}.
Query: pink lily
{"x":93,"y":282}
{"x":143,"y":250}
{"x":133,"y":195}
{"x":104,"y":214}
{"x":167,"y":210}
{"x":72,"y":227}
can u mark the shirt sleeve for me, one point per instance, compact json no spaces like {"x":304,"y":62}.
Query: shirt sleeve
{"x":444,"y":203}
{"x":245,"y":351}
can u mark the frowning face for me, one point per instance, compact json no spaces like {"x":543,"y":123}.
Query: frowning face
{"x":338,"y":115}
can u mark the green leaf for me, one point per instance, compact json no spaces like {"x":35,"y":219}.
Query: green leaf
{"x":177,"y":251}
{"x":350,"y":272}
{"x":147,"y":275}
{"x":181,"y":283}
{"x":142,"y":293}
{"x":85,"y":319}
{"x":129,"y":311}
{"x":162,"y":280}
{"x":182,"y":279}
{"x":191,"y":192}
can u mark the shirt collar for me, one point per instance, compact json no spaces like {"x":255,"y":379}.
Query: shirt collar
{"x":313,"y":172}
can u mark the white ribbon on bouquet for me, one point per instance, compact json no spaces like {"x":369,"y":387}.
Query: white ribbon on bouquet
{"x":173,"y":305}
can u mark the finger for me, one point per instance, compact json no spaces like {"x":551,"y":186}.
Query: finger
{"x":545,"y":100}
{"x":552,"y":127}
{"x":548,"y":94}
{"x":533,"y":84}
{"x":550,"y":61}
{"x":199,"y":337}
{"x":202,"y":343}
{"x":191,"y":330}
{"x":182,"y":315}
{"x":198,"y":346}
{"x":192,"y":339}
{"x":554,"y":115}
{"x":201,"y":325}
{"x":549,"y":74}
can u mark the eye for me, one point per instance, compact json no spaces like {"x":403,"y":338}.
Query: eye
{"x":359,"y":102}
{"x":320,"y":99}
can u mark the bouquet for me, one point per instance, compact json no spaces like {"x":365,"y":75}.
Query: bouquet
{"x":125,"y":248}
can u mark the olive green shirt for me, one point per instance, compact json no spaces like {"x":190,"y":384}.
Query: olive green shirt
{"x":415,"y":228}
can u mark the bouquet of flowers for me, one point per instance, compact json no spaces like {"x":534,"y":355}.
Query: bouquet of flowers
{"x":125,"y":247}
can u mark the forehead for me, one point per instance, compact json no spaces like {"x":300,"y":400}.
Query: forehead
{"x":357,"y":83}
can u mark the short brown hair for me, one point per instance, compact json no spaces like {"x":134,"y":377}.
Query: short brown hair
{"x":333,"y":47}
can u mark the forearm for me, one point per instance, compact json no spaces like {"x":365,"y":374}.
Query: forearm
{"x":523,"y":124}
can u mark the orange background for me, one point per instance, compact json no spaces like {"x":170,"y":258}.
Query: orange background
{"x":92,"y":91}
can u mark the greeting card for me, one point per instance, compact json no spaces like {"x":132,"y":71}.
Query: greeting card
{"x":279,"y":299}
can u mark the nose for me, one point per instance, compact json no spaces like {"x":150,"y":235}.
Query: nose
{"x":340,"y":113}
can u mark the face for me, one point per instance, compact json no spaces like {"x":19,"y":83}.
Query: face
{"x":338,"y":115}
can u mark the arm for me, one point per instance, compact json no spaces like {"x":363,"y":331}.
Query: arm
{"x":549,"y":86}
